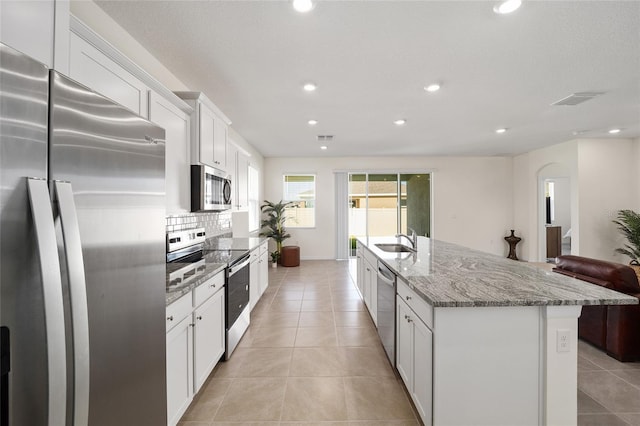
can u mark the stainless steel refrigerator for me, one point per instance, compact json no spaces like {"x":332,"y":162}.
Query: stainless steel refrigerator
{"x":82,"y":272}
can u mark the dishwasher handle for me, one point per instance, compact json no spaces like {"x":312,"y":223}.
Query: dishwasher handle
{"x":387,"y":276}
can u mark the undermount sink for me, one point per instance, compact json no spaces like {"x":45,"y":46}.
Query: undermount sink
{"x":395,"y":248}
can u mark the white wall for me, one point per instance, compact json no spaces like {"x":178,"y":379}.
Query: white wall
{"x":607,"y":184}
{"x":556,"y":160}
{"x":636,"y":162}
{"x":472,"y":196}
{"x":604,"y":178}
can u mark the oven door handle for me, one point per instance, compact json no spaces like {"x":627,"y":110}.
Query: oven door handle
{"x":241,"y":264}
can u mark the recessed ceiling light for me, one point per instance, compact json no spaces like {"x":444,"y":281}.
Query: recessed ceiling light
{"x":501,"y":130}
{"x":507,"y":6}
{"x":614,"y":131}
{"x":303,"y":6}
{"x":400,"y":122}
{"x":323,"y":147}
{"x":312,"y":122}
{"x":432,"y":87}
{"x":309,"y":87}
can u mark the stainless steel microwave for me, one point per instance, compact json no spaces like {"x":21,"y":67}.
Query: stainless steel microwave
{"x":210,"y":189}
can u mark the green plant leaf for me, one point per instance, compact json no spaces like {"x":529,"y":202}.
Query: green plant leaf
{"x":628,"y":223}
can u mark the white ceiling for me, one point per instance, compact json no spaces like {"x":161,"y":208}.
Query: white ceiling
{"x":371,"y":60}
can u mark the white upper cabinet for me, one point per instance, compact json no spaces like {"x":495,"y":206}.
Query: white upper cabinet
{"x":28,"y":26}
{"x":96,"y":70}
{"x":242,"y":182}
{"x":238,"y":169}
{"x":209,"y":130}
{"x":176,"y":124}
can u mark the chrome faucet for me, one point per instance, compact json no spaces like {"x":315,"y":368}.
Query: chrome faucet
{"x":413,"y":238}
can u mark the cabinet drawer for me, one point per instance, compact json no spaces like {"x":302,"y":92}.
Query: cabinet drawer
{"x":208,"y":288}
{"x":255,"y":255}
{"x":370,"y":257}
{"x":178,"y":310}
{"x":264,"y":247}
{"x":415,"y":302}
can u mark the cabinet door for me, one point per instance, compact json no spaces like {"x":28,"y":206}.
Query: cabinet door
{"x":28,"y":26}
{"x":179,"y":370}
{"x":404,"y":343}
{"x":361,"y":271}
{"x":207,"y":121}
{"x":94,"y":69}
{"x":208,"y":338}
{"x":264,"y":271}
{"x":422,"y":370}
{"x":373,"y":305}
{"x":220,"y":129}
{"x":254,"y":279}
{"x":242,"y":182}
{"x":177,"y":170}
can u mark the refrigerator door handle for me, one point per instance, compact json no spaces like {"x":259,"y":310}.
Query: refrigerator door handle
{"x":42,"y":216}
{"x":78,"y":295}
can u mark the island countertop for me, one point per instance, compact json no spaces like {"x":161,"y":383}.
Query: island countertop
{"x":449,"y":275}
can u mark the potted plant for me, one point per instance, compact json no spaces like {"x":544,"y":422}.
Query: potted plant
{"x":273,"y":224}
{"x":275,"y":255}
{"x":629,"y":224}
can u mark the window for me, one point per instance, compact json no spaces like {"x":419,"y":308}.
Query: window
{"x":254,"y":199}
{"x":301,"y":190}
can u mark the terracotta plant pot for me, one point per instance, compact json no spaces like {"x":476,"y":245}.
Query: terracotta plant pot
{"x":637,"y":269}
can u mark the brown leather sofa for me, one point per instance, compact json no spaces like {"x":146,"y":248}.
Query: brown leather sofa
{"x":613,"y":328}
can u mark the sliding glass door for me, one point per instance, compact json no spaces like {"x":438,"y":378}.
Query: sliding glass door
{"x":385,"y":204}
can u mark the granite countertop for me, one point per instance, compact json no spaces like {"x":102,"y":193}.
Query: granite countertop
{"x":214,"y":262}
{"x":449,"y":275}
{"x":224,"y":243}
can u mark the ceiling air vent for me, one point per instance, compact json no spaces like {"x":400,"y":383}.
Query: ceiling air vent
{"x":577,"y":98}
{"x":325,"y":138}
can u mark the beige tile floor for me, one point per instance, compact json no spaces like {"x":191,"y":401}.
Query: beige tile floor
{"x":608,"y":390}
{"x":310,"y":357}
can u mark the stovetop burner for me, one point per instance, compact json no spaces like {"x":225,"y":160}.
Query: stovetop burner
{"x":187,"y":258}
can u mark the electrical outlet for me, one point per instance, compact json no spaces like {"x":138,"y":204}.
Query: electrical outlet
{"x":563,"y":340}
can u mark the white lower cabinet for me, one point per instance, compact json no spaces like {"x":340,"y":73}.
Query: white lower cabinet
{"x":414,"y":358}
{"x":254,"y":279}
{"x":179,"y":369}
{"x":263,"y":268}
{"x":370,"y":285}
{"x":258,"y":273}
{"x":195,"y":343}
{"x":208,"y":340}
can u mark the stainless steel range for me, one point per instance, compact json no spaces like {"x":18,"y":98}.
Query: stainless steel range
{"x":187,"y":259}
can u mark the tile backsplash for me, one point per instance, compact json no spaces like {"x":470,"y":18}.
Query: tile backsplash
{"x":214,"y":223}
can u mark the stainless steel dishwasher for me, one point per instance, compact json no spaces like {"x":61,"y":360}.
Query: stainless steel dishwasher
{"x":386,"y":313}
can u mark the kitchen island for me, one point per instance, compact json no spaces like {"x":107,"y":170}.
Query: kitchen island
{"x":485,"y":340}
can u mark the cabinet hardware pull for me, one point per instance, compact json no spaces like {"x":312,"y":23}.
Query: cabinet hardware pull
{"x":406,"y":317}
{"x":170,"y":318}
{"x":192,"y":325}
{"x":212,"y":286}
{"x":199,"y":318}
{"x":408,"y":297}
{"x":409,"y":320}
